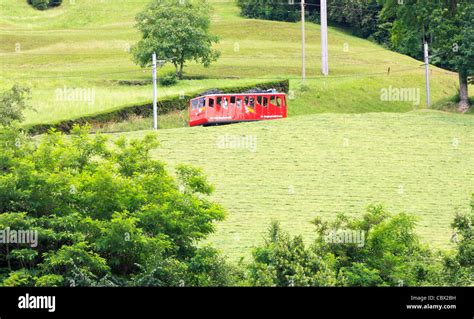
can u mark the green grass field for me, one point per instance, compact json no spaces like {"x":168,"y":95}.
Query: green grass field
{"x":317,"y":165}
{"x":341,"y":149}
{"x":84,"y":45}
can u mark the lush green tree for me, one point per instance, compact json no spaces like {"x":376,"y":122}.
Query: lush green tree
{"x":454,"y":44}
{"x":362,"y":16}
{"x":459,"y":266}
{"x":12,"y":104}
{"x":177,"y":31}
{"x":446,"y":25}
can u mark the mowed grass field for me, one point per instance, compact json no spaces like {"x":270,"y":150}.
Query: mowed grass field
{"x":318,"y":165}
{"x":84,"y":44}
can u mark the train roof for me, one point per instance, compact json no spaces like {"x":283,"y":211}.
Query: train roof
{"x":239,"y":94}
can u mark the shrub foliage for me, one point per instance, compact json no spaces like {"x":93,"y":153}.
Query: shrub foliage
{"x":44,"y":4}
{"x":105,"y":214}
{"x":391,"y":254}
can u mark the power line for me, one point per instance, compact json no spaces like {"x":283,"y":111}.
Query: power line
{"x":220,"y":78}
{"x":63,"y":53}
{"x":345,"y":54}
{"x":76,"y":76}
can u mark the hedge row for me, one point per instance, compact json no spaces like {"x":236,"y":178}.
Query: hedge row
{"x":44,"y":4}
{"x":146,"y":110}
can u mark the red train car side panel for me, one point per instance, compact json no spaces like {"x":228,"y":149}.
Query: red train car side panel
{"x":229,"y":108}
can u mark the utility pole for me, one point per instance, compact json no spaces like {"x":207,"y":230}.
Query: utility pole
{"x":427,"y":73}
{"x":155,"y":108}
{"x":324,"y":38}
{"x":303,"y":53}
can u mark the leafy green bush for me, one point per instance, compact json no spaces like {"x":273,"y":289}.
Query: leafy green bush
{"x":390,"y":254}
{"x":19,"y":278}
{"x":44,"y":4}
{"x":459,"y":265}
{"x":168,"y":79}
{"x":206,"y":268}
{"x":106,"y":214}
{"x":12,"y":104}
{"x":50,"y":281}
{"x":286,"y":261}
{"x":40,"y":4}
{"x":55,"y":3}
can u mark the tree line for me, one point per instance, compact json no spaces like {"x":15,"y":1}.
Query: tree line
{"x":403,"y":26}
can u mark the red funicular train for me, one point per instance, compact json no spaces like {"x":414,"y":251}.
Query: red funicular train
{"x":214,"y":109}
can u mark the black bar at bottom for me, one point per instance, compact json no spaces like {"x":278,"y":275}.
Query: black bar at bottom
{"x":401,"y":302}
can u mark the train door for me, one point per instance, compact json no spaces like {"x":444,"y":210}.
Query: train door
{"x":197,"y":111}
{"x":280,"y":106}
{"x":224,"y":102}
{"x":272,"y":108}
{"x":218,"y":109}
{"x":235,"y":107}
{"x":283,"y":108}
{"x":249,"y":107}
{"x":266,"y":106}
{"x":259,"y":107}
{"x":210,"y":108}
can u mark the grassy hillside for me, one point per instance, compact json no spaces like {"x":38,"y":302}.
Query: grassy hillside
{"x":302,"y":167}
{"x":84,"y":45}
{"x":318,"y":165}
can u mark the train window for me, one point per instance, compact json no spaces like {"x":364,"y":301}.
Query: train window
{"x":211,"y":102}
{"x":272,"y":100}
{"x":232,"y":100}
{"x":194,"y":104}
{"x":224,"y":103}
{"x":239,"y":102}
{"x":260,"y":100}
{"x":252,"y":102}
{"x":246,"y":100}
{"x":219,"y":101}
{"x":265,"y":101}
{"x":201,"y":102}
{"x":278,"y":101}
